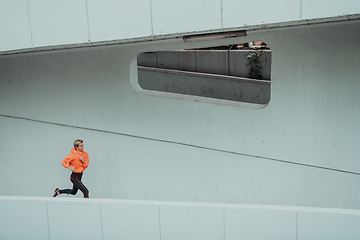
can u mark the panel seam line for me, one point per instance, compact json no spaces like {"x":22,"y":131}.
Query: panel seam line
{"x":159,"y":223}
{"x":47,"y":218}
{"x":87,"y":19}
{"x":31,"y":33}
{"x":187,"y":145}
{"x":151,"y":19}
{"x":222,"y":13}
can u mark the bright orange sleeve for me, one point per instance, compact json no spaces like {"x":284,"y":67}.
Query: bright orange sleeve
{"x":86,"y":159}
{"x":66,"y":161}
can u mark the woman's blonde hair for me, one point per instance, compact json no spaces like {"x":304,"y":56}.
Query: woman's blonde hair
{"x":77,"y":142}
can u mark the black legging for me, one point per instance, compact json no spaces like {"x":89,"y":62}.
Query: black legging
{"x":75,"y":178}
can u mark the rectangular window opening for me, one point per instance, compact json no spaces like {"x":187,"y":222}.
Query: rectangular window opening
{"x":229,"y":74}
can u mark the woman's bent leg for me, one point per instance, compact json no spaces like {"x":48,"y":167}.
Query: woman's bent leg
{"x":76,"y":180}
{"x":72,"y":191}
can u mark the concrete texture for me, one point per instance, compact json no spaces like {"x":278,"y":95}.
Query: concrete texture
{"x":59,"y":218}
{"x":49,"y":26}
{"x":41,"y":24}
{"x":130,"y":221}
{"x":257,"y":224}
{"x":222,"y":62}
{"x":313,"y":225}
{"x":74,"y":220}
{"x":199,"y":161}
{"x":205,"y":85}
{"x":149,"y":147}
{"x":23,"y":219}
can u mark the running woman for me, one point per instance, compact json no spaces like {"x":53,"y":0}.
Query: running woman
{"x":77,"y":161}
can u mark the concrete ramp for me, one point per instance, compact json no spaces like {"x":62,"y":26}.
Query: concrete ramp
{"x":214,"y":86}
{"x":73,"y":218}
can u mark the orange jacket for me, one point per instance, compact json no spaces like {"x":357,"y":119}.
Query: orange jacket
{"x":73,"y":160}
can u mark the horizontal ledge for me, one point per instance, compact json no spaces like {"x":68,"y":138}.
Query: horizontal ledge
{"x":186,"y":204}
{"x":178,"y":36}
{"x":214,"y":36}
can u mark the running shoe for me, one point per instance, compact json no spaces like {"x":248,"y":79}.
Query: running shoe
{"x":57,"y":192}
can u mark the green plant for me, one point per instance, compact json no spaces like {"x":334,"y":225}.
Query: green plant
{"x":256,"y":67}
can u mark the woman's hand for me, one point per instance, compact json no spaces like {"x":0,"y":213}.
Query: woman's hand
{"x":72,"y":168}
{"x":82,"y":159}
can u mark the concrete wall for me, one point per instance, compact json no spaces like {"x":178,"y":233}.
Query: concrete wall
{"x":205,"y":85}
{"x":230,"y":63}
{"x":180,"y":72}
{"x":46,"y":218}
{"x":147,"y":147}
{"x":28,"y":24}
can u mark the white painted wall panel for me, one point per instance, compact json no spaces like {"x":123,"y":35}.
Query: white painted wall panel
{"x":315,"y":225}
{"x":74,"y":220}
{"x":111,"y":20}
{"x":58,"y":22}
{"x":14,"y":25}
{"x":193,"y":223}
{"x":130,"y":221}
{"x":239,"y":13}
{"x":174,"y":16}
{"x":259,"y":224}
{"x":33,"y":218}
{"x":23,"y":219}
{"x":78,"y":22}
{"x":329,"y":8}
